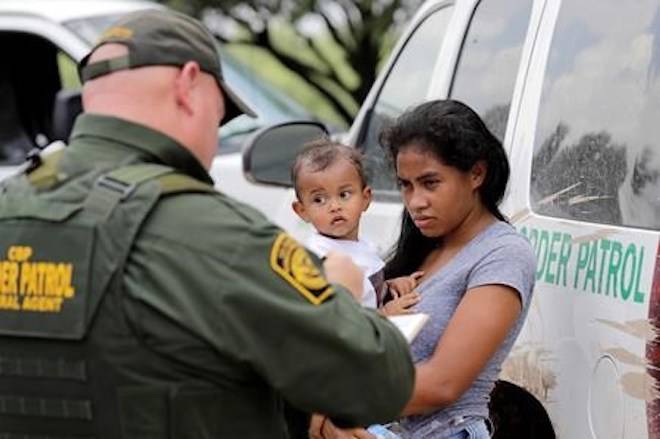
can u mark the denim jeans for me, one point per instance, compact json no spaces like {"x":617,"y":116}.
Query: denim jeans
{"x":473,"y":430}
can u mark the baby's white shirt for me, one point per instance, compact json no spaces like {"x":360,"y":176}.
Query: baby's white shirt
{"x":363,"y":254}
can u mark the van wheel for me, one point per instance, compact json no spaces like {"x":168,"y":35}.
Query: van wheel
{"x":515,"y":413}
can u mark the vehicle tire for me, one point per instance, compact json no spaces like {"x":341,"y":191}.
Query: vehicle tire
{"x":517,"y":414}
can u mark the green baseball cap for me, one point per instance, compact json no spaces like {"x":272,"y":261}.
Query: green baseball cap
{"x":162,"y":37}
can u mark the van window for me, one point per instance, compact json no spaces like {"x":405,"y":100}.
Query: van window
{"x":596,"y":152}
{"x":405,"y":86}
{"x":68,"y":71}
{"x":489,"y":60}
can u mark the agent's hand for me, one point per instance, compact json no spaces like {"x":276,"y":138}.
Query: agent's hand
{"x":401,"y":305}
{"x":340,"y":269}
{"x":331,"y":432}
{"x":316,"y":425}
{"x":400,"y":286}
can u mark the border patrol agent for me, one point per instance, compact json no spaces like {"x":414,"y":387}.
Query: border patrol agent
{"x":138,"y":302}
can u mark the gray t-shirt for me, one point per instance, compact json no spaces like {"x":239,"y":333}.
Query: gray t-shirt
{"x":497,"y":255}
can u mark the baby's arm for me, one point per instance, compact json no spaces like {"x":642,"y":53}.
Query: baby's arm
{"x":400,"y":305}
{"x":404,"y":296}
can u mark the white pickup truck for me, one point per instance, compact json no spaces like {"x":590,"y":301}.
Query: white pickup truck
{"x":42,"y":40}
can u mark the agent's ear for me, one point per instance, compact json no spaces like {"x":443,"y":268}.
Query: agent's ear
{"x":366,"y":193}
{"x":478,"y":174}
{"x":184,"y":84}
{"x":299,"y":208}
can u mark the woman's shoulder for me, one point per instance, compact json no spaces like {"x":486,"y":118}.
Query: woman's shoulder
{"x":504,"y":237}
{"x":501,"y":245}
{"x":506,"y":257}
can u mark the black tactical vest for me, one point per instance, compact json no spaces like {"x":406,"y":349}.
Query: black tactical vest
{"x":70,"y":364}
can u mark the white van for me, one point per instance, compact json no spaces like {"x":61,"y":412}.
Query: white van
{"x":572,"y":88}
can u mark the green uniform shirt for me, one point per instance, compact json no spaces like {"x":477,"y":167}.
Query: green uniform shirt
{"x":206,"y":289}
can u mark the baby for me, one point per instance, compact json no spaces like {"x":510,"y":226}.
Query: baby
{"x":332,"y":193}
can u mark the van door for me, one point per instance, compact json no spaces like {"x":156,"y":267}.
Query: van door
{"x":586,"y":191}
{"x":404,"y":83}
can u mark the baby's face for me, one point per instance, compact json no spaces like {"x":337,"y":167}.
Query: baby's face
{"x":333,"y":199}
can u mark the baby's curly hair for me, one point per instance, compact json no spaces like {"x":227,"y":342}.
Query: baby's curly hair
{"x":319,"y":154}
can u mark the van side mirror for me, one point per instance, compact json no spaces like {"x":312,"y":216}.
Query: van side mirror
{"x":269,"y":154}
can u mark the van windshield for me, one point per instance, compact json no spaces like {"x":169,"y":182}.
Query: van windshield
{"x":90,"y":28}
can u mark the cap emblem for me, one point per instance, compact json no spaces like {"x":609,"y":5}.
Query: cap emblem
{"x":119,"y":32}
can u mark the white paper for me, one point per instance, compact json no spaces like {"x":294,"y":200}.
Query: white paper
{"x":409,"y":324}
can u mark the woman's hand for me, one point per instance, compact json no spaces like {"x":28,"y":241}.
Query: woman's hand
{"x":401,"y":305}
{"x":400,"y":286}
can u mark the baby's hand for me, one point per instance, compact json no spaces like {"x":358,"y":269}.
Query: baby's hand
{"x":401,"y":305}
{"x":401,"y":286}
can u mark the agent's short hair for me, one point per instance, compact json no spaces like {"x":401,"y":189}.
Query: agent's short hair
{"x":320,"y":154}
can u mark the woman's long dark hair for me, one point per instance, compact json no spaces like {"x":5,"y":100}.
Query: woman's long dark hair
{"x":457,"y":136}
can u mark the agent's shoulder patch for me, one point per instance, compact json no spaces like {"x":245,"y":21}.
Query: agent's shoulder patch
{"x":291,"y":261}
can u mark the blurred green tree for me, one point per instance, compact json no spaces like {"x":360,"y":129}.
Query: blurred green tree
{"x":335,"y":46}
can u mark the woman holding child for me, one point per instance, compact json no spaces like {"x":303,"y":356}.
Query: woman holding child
{"x":478,"y":271}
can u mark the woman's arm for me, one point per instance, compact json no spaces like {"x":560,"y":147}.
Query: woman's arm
{"x":478,"y":327}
